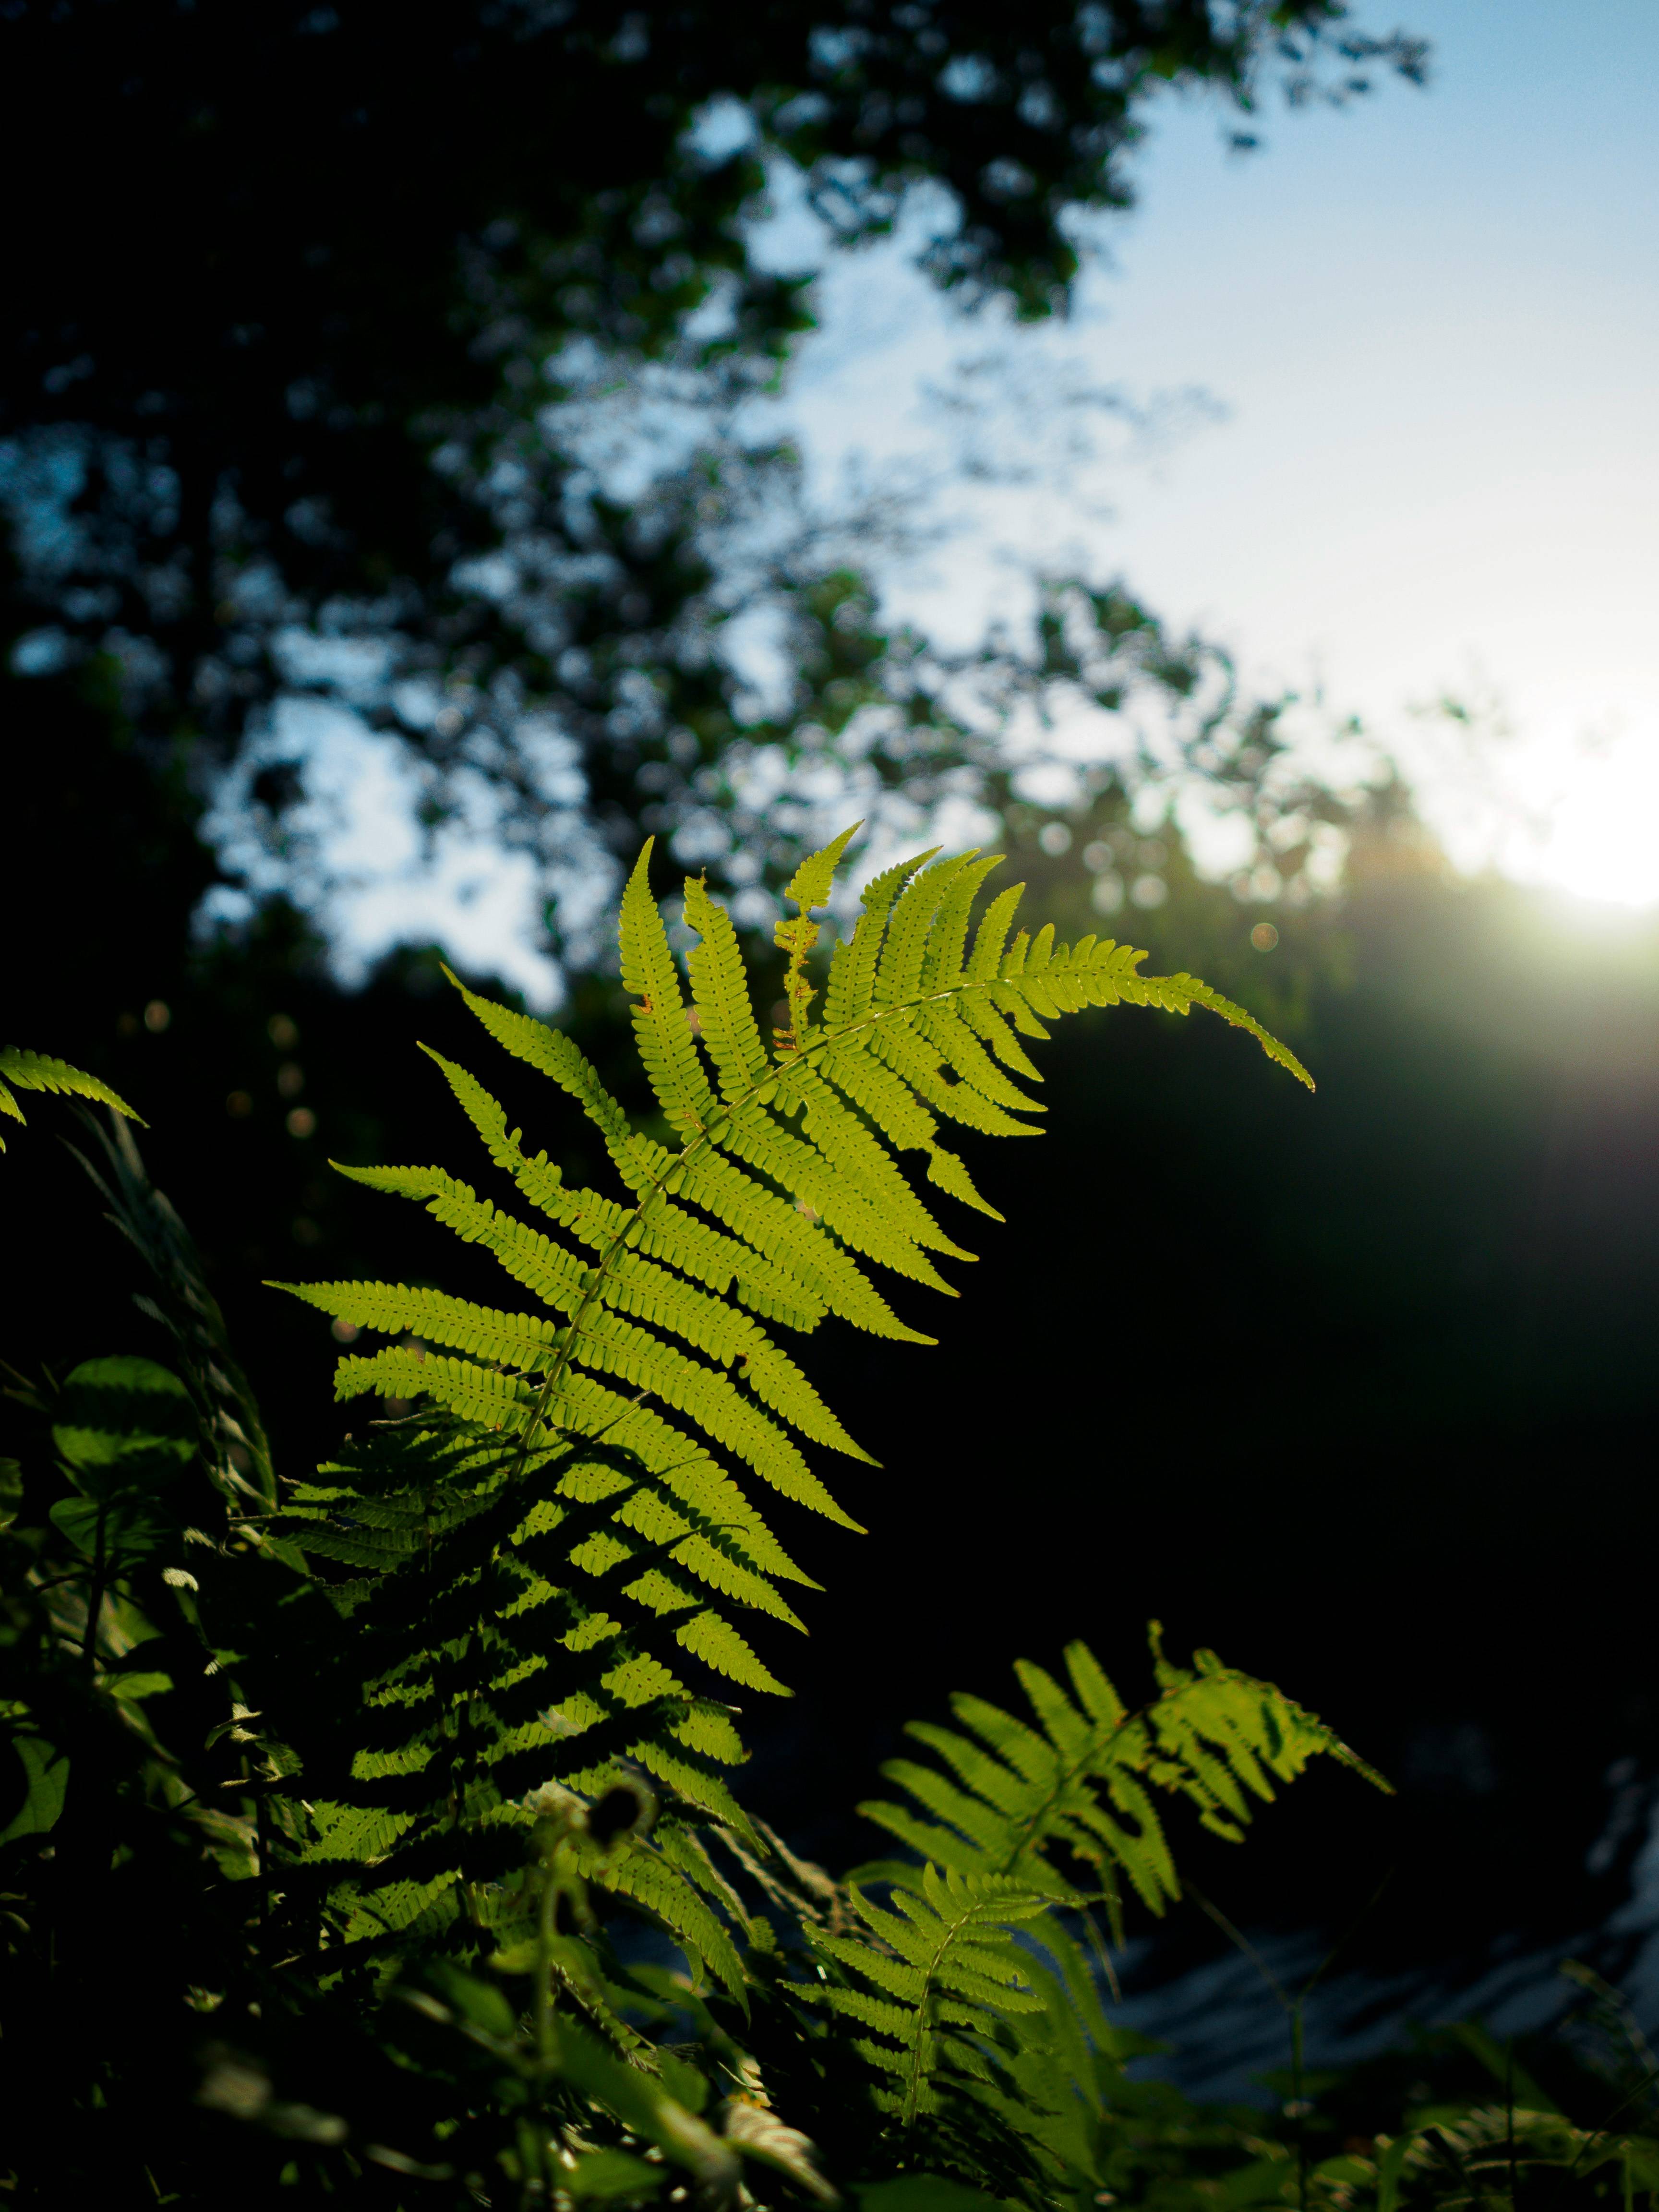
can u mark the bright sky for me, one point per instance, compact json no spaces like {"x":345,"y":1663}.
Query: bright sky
{"x":1434,"y":322}
{"x":1424,"y":336}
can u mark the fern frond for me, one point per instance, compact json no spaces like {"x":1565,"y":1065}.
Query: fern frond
{"x":1179,"y":994}
{"x":649,"y":1876}
{"x":1017,"y":1799}
{"x":941,"y":965}
{"x":667,"y":1050}
{"x":960,"y":1051}
{"x":38,"y":1071}
{"x":985,"y":961}
{"x":856,"y":1154}
{"x":518,"y":1614}
{"x":635,"y":1284}
{"x":601,"y":1341}
{"x":540,"y":1572}
{"x":944,"y":1968}
{"x":867,"y":1229}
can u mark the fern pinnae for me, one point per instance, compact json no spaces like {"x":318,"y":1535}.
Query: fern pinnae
{"x":720,"y":989}
{"x":978,"y":1010}
{"x":867,"y":1083}
{"x":904,"y":952}
{"x":959,"y":1048}
{"x":558,"y":1057}
{"x":914,"y":1055}
{"x":946,"y":1968}
{"x":783,"y":1233}
{"x":591,"y":1538}
{"x":984,"y":962}
{"x":662,"y":1449}
{"x":605,"y":1226}
{"x":808,"y":888}
{"x":856,"y":1153}
{"x":1079,"y":1782}
{"x":853,"y":963}
{"x":39,"y":1071}
{"x":864,"y":1227}
{"x":947,"y":940}
{"x":666,"y":1047}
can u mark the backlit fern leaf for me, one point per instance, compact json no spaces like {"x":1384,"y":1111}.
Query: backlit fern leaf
{"x":545,"y":1571}
{"x":512,"y":1617}
{"x":38,"y":1071}
{"x":943,"y":1973}
{"x":1017,"y":1799}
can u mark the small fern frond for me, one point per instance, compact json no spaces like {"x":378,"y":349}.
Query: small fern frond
{"x":1023,"y":1801}
{"x":38,"y":1071}
{"x":807,"y":889}
{"x":945,"y":1970}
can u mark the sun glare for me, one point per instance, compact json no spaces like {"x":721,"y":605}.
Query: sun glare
{"x":1599,"y":840}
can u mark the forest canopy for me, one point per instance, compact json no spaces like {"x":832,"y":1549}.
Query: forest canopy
{"x":310,"y":301}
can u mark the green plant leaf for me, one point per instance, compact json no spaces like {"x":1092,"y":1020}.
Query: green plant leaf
{"x":925,"y":2192}
{"x":125,"y":1423}
{"x":46,"y":1773}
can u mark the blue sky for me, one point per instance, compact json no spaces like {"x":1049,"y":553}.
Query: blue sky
{"x":1430,"y":325}
{"x":1388,"y":432}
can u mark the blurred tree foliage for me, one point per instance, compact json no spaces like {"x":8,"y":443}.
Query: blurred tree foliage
{"x":318,"y":314}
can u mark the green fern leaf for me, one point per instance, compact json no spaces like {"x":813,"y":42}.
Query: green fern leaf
{"x":990,"y":938}
{"x":721,"y":992}
{"x":556,"y":1056}
{"x":853,"y":969}
{"x":1017,"y":1797}
{"x":904,"y":953}
{"x":537,"y":1574}
{"x":808,"y":888}
{"x":667,"y":1050}
{"x":947,"y":1971}
{"x":647,"y":1877}
{"x":942,"y":966}
{"x":38,"y":1071}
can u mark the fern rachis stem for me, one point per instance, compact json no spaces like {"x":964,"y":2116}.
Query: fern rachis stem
{"x":96,"y":1591}
{"x":916,"y":2078}
{"x":656,"y":1189}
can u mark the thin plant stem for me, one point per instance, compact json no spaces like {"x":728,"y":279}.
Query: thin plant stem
{"x":95,"y":1593}
{"x":1509,"y":2117}
{"x":1294,"y":2007}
